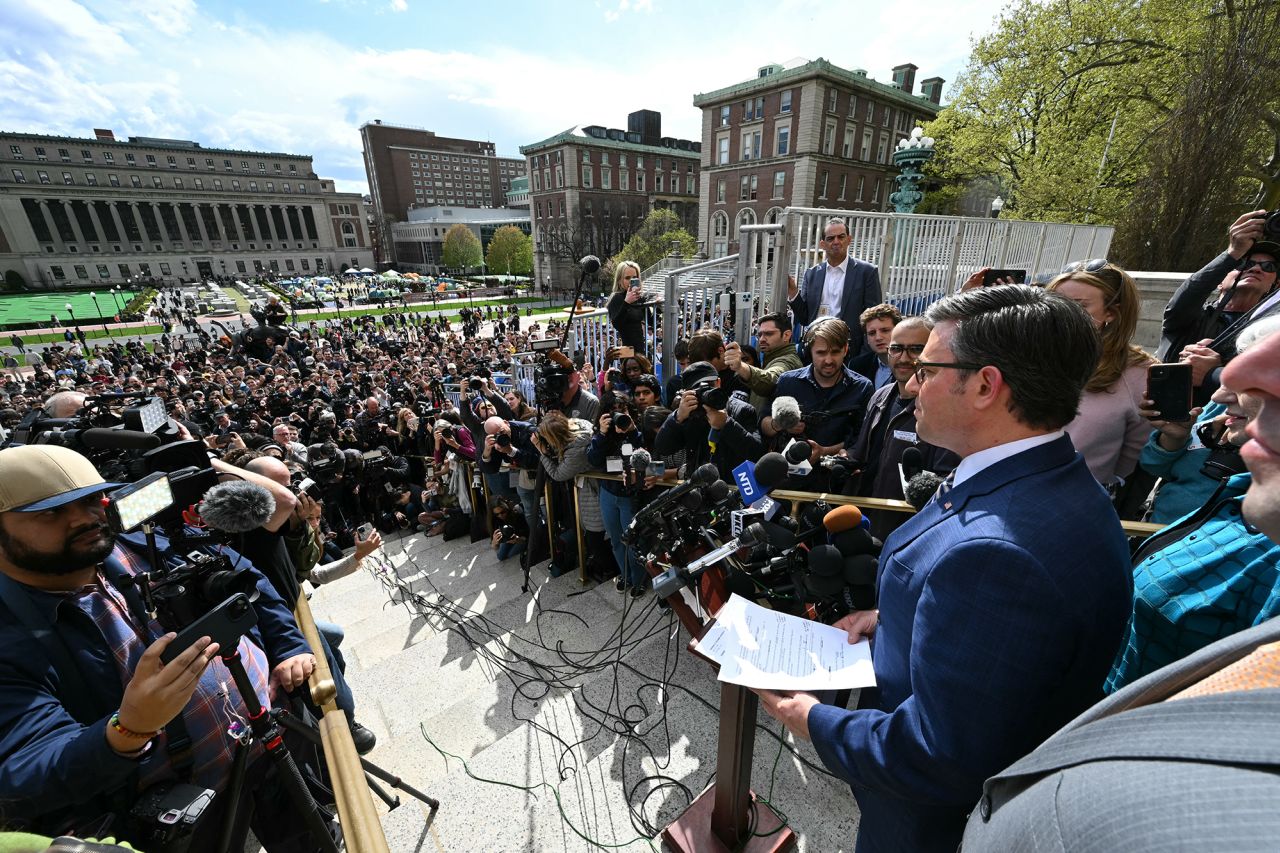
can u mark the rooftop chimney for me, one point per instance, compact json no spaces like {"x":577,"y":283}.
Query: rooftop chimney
{"x":103,"y":135}
{"x":932,"y":89}
{"x":904,"y":77}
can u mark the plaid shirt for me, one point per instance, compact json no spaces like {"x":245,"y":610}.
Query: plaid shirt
{"x":208,"y":714}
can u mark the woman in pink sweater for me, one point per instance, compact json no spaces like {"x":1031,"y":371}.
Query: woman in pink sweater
{"x":1109,"y":431}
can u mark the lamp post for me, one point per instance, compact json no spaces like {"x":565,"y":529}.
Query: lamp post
{"x":997,"y":205}
{"x":98,"y":309}
{"x":911,"y":155}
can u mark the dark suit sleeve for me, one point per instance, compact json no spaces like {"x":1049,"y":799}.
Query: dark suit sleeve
{"x":800,"y":315}
{"x":990,"y":643}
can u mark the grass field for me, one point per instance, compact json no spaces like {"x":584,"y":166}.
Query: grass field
{"x":35,"y":308}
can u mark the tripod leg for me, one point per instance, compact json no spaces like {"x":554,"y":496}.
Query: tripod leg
{"x":390,"y":801}
{"x":233,"y":793}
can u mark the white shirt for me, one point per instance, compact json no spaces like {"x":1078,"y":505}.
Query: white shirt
{"x":833,"y":290}
{"x":975,"y":463}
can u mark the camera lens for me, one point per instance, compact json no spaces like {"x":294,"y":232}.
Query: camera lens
{"x":622,"y":422}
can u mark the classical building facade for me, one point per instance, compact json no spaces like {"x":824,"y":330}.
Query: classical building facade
{"x":411,"y":167}
{"x":814,"y":135}
{"x":591,"y":187}
{"x":420,"y":241}
{"x":106,"y":211}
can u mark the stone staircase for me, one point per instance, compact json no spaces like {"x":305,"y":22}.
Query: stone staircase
{"x":579,"y":713}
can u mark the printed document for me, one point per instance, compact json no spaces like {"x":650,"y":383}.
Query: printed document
{"x":758,"y":647}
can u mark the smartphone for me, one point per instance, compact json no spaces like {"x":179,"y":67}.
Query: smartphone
{"x":626,"y":352}
{"x":363,"y":531}
{"x":1169,"y":390}
{"x":656,"y":468}
{"x":990,"y":277}
{"x":224,"y":624}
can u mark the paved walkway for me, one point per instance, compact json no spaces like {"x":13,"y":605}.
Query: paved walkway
{"x":531,"y":691}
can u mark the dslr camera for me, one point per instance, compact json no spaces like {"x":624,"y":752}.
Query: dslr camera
{"x":709,"y":393}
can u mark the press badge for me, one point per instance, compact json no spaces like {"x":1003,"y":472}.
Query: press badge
{"x":613,"y":465}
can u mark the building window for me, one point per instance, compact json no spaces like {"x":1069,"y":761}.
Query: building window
{"x":853,"y":106}
{"x":235,"y":185}
{"x":135,"y":180}
{"x":288,"y":263}
{"x":871,"y":111}
{"x":191,"y":162}
{"x":86,"y":155}
{"x":722,"y":152}
{"x":862,"y":182}
{"x":639,"y":182}
{"x":747,"y":190}
{"x":785,"y":105}
{"x":114,"y":180}
{"x":720,"y":225}
{"x":16,"y":151}
{"x":43,"y":177}
{"x":18,"y":177}
{"x":108,"y":157}
{"x":586,"y":174}
{"x":81,"y":271}
{"x":130,"y":159}
{"x":124,"y":270}
{"x":156,"y":182}
{"x":882,"y":150}
{"x":746,"y":216}
{"x":884,"y":116}
{"x":829,"y":138}
{"x":164,"y":268}
{"x":782,"y":145}
{"x":844,"y":185}
{"x":657,"y":183}
{"x":624,"y":179}
{"x":177,"y":183}
{"x":720,"y":191}
{"x":58,"y":273}
{"x":875,"y":193}
{"x":302,"y":188}
{"x":199,"y":183}
{"x":104,"y":271}
{"x":606,"y":179}
{"x":865,"y":154}
{"x":779,"y":184}
{"x":262,"y":167}
{"x":91,"y":179}
{"x":172,"y":161}
{"x":850,"y":140}
{"x":217,"y":183}
{"x":822,"y":183}
{"x":832,"y":95}
{"x":724,"y":116}
{"x":240,"y":267}
{"x":67,"y":178}
{"x":271,"y":186}
{"x":64,"y":155}
{"x":306,"y":263}
{"x":253,"y":186}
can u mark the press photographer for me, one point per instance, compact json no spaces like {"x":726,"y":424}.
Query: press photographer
{"x":709,"y":425}
{"x":92,"y":720}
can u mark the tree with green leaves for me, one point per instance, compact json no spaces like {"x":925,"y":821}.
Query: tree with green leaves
{"x":461,"y":248}
{"x":1091,"y":110}
{"x":510,"y":252}
{"x":654,"y":240}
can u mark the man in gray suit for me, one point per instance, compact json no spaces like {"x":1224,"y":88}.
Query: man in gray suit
{"x":840,"y":286}
{"x":1146,"y":769}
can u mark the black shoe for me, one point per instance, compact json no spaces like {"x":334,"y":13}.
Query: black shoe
{"x":365,"y":740}
{"x":638,"y":591}
{"x":621,"y":585}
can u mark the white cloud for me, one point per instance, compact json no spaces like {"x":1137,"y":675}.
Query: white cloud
{"x":399,"y":5}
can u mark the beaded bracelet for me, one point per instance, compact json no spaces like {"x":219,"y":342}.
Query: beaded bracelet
{"x":114,"y":723}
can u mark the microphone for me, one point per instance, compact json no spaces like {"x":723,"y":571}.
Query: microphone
{"x":705,"y":475}
{"x":785,"y":413}
{"x":826,"y":571}
{"x":842,"y":518}
{"x":857,"y":541}
{"x":589,"y":264}
{"x":104,"y":438}
{"x":237,"y":507}
{"x":912,"y":463}
{"x":797,"y":452}
{"x":716,"y":492}
{"x":771,"y":470}
{"x":640,"y":460}
{"x":921,"y":488}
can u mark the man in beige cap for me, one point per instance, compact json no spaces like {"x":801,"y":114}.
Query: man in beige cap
{"x":89,"y":713}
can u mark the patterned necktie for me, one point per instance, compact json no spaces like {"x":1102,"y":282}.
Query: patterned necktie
{"x":947,"y":484}
{"x":1258,"y":671}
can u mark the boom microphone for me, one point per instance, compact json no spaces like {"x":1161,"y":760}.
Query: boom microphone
{"x":237,"y":507}
{"x":705,"y":475}
{"x":589,"y":264}
{"x":921,"y":488}
{"x":786,"y":414}
{"x":640,"y":460}
{"x":114,"y":439}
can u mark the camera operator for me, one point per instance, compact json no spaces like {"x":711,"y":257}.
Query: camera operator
{"x":562,"y":443}
{"x":511,"y":532}
{"x":832,"y":397}
{"x":575,"y":401}
{"x":773,"y":340}
{"x":89,"y":710}
{"x":285,"y":436}
{"x":1241,"y":283}
{"x":617,"y":435}
{"x":709,"y":425}
{"x":512,"y":442}
{"x":371,"y":427}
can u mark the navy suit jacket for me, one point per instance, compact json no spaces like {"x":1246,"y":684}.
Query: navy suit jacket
{"x":1001,"y":610}
{"x":861,"y":291}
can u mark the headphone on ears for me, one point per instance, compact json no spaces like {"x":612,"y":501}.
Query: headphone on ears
{"x":811,"y":334}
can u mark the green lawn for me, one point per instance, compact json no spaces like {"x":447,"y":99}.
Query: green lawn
{"x":35,"y":308}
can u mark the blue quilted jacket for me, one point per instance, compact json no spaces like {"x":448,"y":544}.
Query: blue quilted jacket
{"x":1204,"y":577}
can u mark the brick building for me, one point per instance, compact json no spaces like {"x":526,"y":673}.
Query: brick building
{"x":409,"y":168}
{"x":591,"y":187}
{"x":814,"y":135}
{"x":102,"y":211}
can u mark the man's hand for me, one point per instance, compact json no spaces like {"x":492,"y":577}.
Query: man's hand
{"x":1243,"y":232}
{"x":789,"y":708}
{"x":716,"y":417}
{"x":365,"y":547}
{"x":1202,"y":359}
{"x":733,"y":359}
{"x":688,"y":402}
{"x":307,"y":509}
{"x":606,"y":421}
{"x":792,"y":290}
{"x":289,"y":674}
{"x":860,"y":624}
{"x":158,"y":691}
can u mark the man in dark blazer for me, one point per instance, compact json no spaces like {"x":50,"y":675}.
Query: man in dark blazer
{"x":840,"y":286}
{"x":1003,"y":601}
{"x":1188,"y":757}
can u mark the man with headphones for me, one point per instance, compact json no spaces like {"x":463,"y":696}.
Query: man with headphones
{"x":840,"y":286}
{"x":832,"y":397}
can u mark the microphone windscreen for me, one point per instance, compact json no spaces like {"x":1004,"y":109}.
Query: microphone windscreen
{"x":691,"y":501}
{"x":860,"y":570}
{"x":716,"y":492}
{"x":851,"y":543}
{"x":753,"y":535}
{"x":912,"y":462}
{"x":921,"y":487}
{"x":640,"y":460}
{"x":842,"y":518}
{"x":780,"y":538}
{"x":237,"y":507}
{"x":785,"y":413}
{"x":706,"y":474}
{"x":798,"y":452}
{"x":118,"y":439}
{"x":825,"y":561}
{"x":770,"y":470}
{"x":590,"y":264}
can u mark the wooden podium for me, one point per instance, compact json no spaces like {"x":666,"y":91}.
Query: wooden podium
{"x":727,"y":816}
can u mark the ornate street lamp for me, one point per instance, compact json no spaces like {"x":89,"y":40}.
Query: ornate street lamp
{"x":911,"y":155}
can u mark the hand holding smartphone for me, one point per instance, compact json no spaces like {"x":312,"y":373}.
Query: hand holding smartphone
{"x":1169,"y":390}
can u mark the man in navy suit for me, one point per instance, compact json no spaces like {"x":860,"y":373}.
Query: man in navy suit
{"x":1003,"y":601}
{"x":840,"y":286}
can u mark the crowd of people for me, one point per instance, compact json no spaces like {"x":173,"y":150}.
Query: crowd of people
{"x":1011,"y":601}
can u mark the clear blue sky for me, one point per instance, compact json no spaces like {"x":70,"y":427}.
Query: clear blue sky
{"x":301,"y":76}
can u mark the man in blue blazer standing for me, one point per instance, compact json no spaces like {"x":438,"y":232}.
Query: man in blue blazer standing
{"x":1003,"y":601}
{"x":840,"y":286}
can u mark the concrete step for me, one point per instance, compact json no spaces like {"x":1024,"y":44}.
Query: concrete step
{"x":470,"y":671}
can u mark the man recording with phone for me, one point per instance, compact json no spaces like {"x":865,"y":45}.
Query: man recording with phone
{"x":91,"y":717}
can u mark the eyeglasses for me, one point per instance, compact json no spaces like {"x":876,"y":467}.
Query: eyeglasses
{"x":899,"y":349}
{"x":1249,"y":263}
{"x":922,"y":373}
{"x":1086,"y":266}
